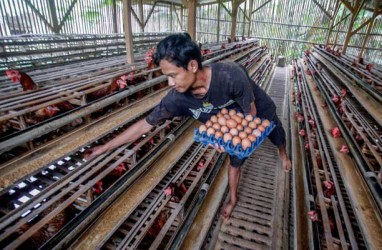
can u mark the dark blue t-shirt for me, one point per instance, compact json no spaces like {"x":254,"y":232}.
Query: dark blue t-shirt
{"x":230,"y":88}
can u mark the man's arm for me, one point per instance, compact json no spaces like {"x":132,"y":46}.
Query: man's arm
{"x":253,"y":109}
{"x":131,"y":134}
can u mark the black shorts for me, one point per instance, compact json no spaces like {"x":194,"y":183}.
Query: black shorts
{"x":277,"y":137}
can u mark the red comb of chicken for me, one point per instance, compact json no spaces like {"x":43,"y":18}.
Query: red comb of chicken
{"x":47,"y":112}
{"x":308,"y":72}
{"x":168,"y":191}
{"x":343,"y":92}
{"x":328,"y":184}
{"x":300,"y":118}
{"x":336,"y":132}
{"x":344,"y":149}
{"x":313,"y":216}
{"x":336,"y":99}
{"x":312,"y":123}
{"x":302,"y":132}
{"x":307,"y":146}
{"x":13,"y":75}
{"x":98,"y":188}
{"x":149,"y":56}
{"x":200,"y":165}
{"x":121,"y":81}
{"x":119,"y":170}
{"x":369,"y":67}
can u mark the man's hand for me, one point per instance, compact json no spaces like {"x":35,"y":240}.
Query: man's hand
{"x":93,"y":152}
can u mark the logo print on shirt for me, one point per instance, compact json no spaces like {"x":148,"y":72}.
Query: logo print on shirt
{"x":207,"y":108}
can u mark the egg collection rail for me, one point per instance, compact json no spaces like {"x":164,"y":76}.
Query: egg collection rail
{"x":330,"y":209}
{"x":70,"y":184}
{"x":154,"y":222}
{"x":359,"y":122}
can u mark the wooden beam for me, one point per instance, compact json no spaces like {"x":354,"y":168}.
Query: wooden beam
{"x":261,"y":6}
{"x":331,"y":26}
{"x":348,"y":5}
{"x":67,"y":14}
{"x":357,"y":7}
{"x":371,"y":24}
{"x":115,"y":25}
{"x":343,"y":18}
{"x":140,"y":12}
{"x":53,"y":14}
{"x":178,"y":18}
{"x":229,"y":12}
{"x":360,"y":27}
{"x":151,"y":12}
{"x":126,"y":10}
{"x":136,"y":17}
{"x":37,"y":12}
{"x":323,"y":9}
{"x":218,"y":28}
{"x":250,"y":17}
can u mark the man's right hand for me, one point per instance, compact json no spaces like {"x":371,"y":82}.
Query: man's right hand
{"x":93,"y":152}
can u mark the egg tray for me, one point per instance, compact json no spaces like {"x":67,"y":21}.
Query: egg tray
{"x":228,"y":147}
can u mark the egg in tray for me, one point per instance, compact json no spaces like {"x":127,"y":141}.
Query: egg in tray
{"x":238,"y":134}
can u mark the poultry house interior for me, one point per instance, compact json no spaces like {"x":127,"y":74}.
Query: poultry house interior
{"x":62,"y":94}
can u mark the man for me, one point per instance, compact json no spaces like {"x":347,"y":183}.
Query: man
{"x":201,"y":92}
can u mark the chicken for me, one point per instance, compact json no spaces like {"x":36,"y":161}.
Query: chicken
{"x":114,"y":175}
{"x":344,"y":149}
{"x":176,"y":192}
{"x":336,"y":100}
{"x":98,"y":188}
{"x":302,"y":132}
{"x":200,"y":164}
{"x":369,"y":67}
{"x":336,"y":132}
{"x":49,"y":229}
{"x":158,"y":224}
{"x":42,"y":114}
{"x":313,"y":216}
{"x":343,"y":93}
{"x":312,"y":123}
{"x":308,"y":72}
{"x":25,"y":80}
{"x":329,"y":189}
{"x":116,"y":84}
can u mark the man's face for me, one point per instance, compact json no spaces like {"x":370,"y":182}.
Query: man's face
{"x":179,"y":78}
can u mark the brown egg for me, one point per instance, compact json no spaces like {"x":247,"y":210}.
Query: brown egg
{"x":216,"y":126}
{"x":234,"y":131}
{"x":218,"y":134}
{"x":249,"y":118}
{"x":252,"y":138}
{"x":222,"y":121}
{"x":244,"y":122}
{"x":240,"y":127}
{"x":232,"y":112}
{"x":257,"y":120}
{"x":227,"y":137}
{"x":219,"y":115}
{"x":237,"y":118}
{"x":248,"y":130}
{"x":209,"y":124}
{"x":256,"y":132}
{"x":252,"y":125}
{"x":210,"y":131}
{"x":224,"y":111}
{"x":261,"y":128}
{"x":202,"y":128}
{"x":266,"y":123}
{"x":246,"y":143}
{"x":236,"y":140}
{"x":243,"y":135}
{"x":224,"y":129}
{"x":240,"y":115}
{"x":214,"y":119}
{"x":231,"y":123}
{"x":227,"y":116}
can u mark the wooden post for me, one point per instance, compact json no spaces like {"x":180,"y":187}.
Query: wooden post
{"x":218,"y":28}
{"x":52,"y":8}
{"x":115,"y":25}
{"x":354,"y":15}
{"x":191,"y":20}
{"x":250,"y":17}
{"x":128,"y":31}
{"x":235,"y":7}
{"x":142,"y":21}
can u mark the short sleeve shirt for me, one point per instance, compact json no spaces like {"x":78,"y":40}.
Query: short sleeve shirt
{"x":230,"y":88}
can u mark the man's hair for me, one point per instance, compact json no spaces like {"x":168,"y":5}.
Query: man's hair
{"x":178,"y":49}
